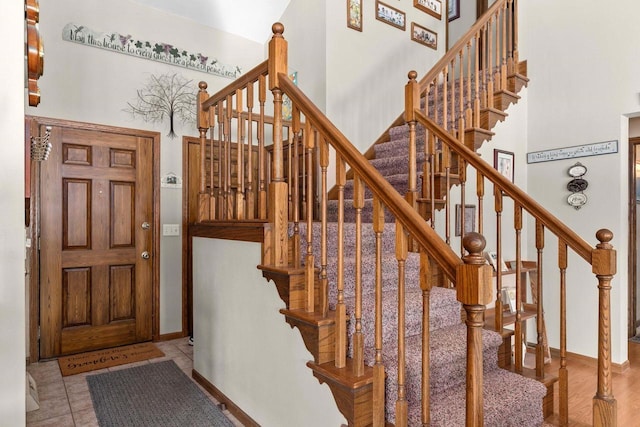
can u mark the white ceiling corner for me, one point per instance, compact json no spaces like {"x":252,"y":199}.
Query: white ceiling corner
{"x":251,"y":19}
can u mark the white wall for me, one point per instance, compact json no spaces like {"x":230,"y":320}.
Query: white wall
{"x":585,"y":76}
{"x":12,"y":249}
{"x":367,"y":71}
{"x":245,"y":347}
{"x":86,"y":84}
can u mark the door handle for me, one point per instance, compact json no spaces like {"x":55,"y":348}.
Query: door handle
{"x":145,"y":255}
{"x":145,"y":225}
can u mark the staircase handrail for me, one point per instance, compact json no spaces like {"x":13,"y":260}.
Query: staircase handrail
{"x":460,"y":44}
{"x":577,"y":243}
{"x":409,"y":217}
{"x":242,"y":81}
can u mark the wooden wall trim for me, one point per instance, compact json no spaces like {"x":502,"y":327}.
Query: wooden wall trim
{"x":245,"y":419}
{"x":244,"y":231}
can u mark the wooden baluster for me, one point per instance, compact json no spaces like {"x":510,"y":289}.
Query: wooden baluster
{"x":221,"y":155}
{"x":432,"y":176}
{"x":516,"y":58}
{"x":476,"y":82}
{"x":563,"y":374}
{"x":412,"y":102}
{"x":485,"y":68}
{"x":290,"y":138}
{"x":203,"y":125}
{"x":212,"y":193}
{"x":240,"y":158}
{"x":462,"y":173}
{"x":518,"y":327}
{"x":324,"y":287}
{"x":490,"y":85}
{"x":452,"y":78}
{"x":480,"y":194}
{"x":474,"y":292}
{"x":378,"y":367}
{"x":469,"y":112}
{"x":539,"y":296}
{"x":262,"y":189}
{"x":305,"y":177}
{"x":605,"y":412}
{"x":401,"y":256}
{"x":446,"y":161}
{"x":296,"y":186}
{"x":497,"y":192}
{"x":445,"y":94}
{"x":503,"y":67}
{"x":425,"y":285}
{"x":228,"y":200}
{"x":278,"y":209}
{"x":461,"y":86}
{"x":341,"y":312}
{"x":310,"y":261}
{"x":358,"y":337}
{"x":250,"y":196}
{"x":509,"y":41}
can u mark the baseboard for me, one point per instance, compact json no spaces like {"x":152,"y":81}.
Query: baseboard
{"x":245,"y":419}
{"x":616,"y":368}
{"x":171,"y":336}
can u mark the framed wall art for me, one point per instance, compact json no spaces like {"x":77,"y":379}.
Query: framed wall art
{"x":424,"y":36}
{"x":354,"y":14}
{"x":469,"y":219}
{"x":453,"y":11}
{"x":390,"y":15}
{"x":503,"y":161}
{"x":432,"y":7}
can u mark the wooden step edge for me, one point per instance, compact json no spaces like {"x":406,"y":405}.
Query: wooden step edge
{"x":480,"y":130}
{"x":494,"y":111}
{"x":310,"y":318}
{"x":327,"y":372}
{"x":283,"y":271}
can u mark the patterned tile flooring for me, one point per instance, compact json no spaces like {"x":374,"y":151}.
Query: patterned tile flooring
{"x":65,"y":401}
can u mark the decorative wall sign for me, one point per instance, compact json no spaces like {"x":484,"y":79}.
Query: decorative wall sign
{"x":153,"y":51}
{"x":424,"y":36}
{"x":432,"y":7}
{"x":390,"y":15}
{"x":587,"y":150}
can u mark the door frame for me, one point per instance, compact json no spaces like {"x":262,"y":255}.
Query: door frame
{"x":633,"y":235}
{"x":32,"y":124}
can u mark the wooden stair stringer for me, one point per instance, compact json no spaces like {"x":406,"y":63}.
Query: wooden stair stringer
{"x":353,"y":395}
{"x":318,"y":333}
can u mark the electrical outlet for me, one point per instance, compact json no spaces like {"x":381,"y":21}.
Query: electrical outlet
{"x":170,"y":229}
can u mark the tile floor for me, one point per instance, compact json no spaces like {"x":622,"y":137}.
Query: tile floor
{"x":65,"y":401}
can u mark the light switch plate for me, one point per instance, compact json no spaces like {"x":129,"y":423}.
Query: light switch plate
{"x":170,"y":229}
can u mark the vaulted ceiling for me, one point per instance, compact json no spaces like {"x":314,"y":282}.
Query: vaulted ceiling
{"x":251,"y":19}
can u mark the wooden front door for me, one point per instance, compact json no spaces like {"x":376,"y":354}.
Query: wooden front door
{"x":97,"y":239}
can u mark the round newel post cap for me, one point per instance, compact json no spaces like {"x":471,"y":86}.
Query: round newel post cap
{"x":412,"y":75}
{"x":474,"y":243}
{"x":202,"y":85}
{"x":277,"y":29}
{"x":603,"y":235}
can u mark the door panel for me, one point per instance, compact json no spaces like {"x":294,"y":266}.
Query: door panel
{"x":96,"y":289}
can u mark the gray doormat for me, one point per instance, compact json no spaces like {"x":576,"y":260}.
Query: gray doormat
{"x":157,"y":394}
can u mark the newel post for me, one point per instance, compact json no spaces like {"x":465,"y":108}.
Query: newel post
{"x":278,"y":213}
{"x":203,"y":126}
{"x":411,"y":103}
{"x":603,"y":263}
{"x":474,"y":286}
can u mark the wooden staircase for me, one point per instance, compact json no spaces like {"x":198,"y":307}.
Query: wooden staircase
{"x":283,"y":197}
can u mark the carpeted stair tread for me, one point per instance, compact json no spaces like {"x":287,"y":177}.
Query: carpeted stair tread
{"x":444,"y":312}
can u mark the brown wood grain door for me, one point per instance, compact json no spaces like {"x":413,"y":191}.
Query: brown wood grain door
{"x":96,"y":229}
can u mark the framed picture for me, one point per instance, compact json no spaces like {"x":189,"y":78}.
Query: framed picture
{"x":469,"y":219}
{"x":492,"y":259}
{"x":453,"y":11}
{"x":509,"y":298}
{"x":390,"y":15}
{"x":503,"y":161}
{"x":424,"y":36}
{"x":432,"y":7}
{"x":354,"y":14}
